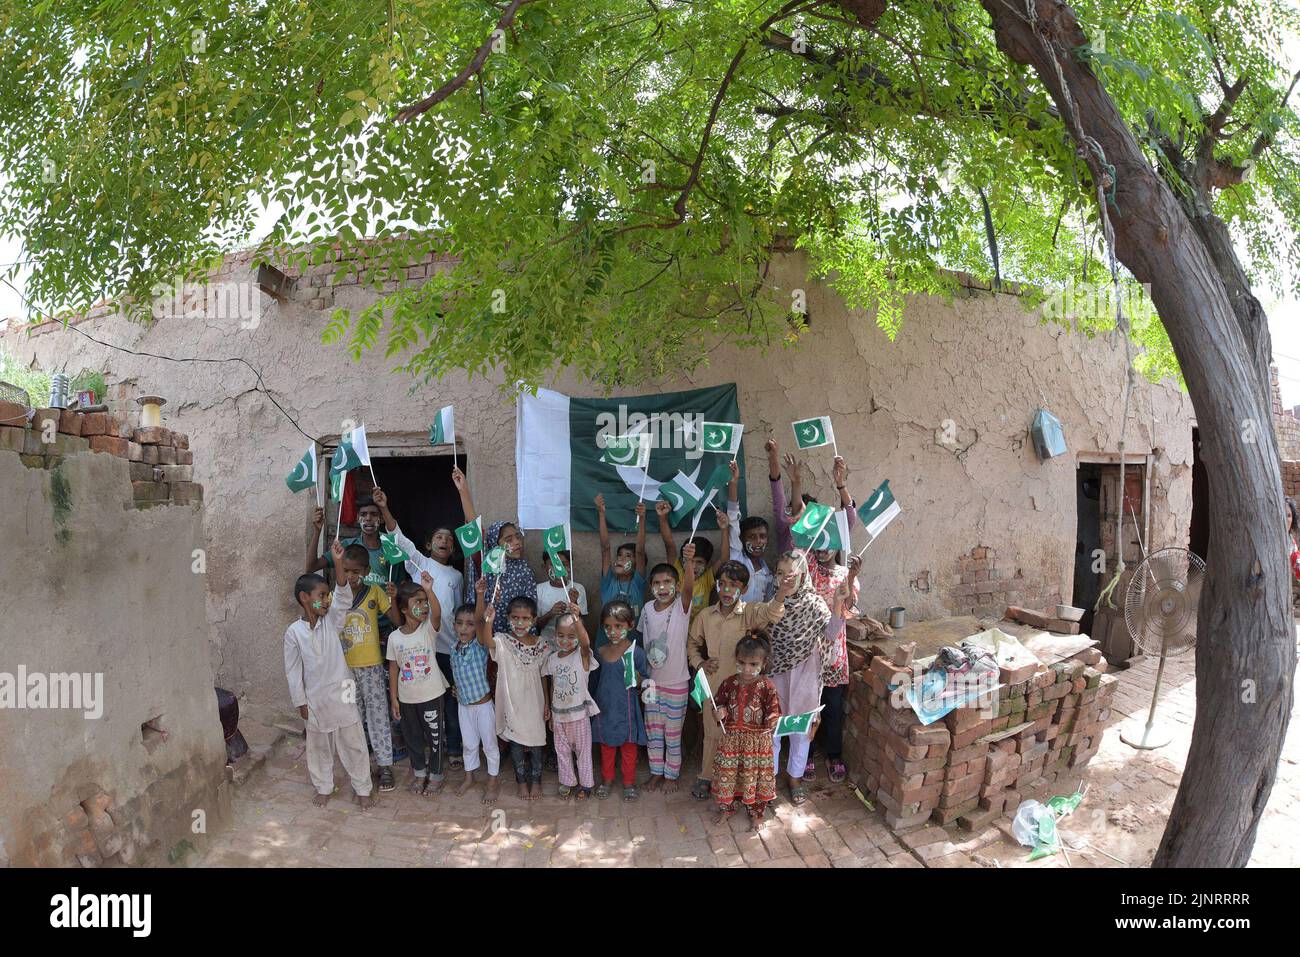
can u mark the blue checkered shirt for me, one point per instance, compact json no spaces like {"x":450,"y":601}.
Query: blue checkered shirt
{"x":469,"y":671}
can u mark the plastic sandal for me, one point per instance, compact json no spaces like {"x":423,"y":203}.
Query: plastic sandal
{"x":565,"y":790}
{"x":810,"y":771}
{"x":702,"y":789}
{"x":798,"y":795}
{"x":602,"y":791}
{"x":838,"y":771}
{"x":386,"y":782}
{"x":631,"y":794}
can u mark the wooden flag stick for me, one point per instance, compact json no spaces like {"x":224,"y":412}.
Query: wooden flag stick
{"x":338,"y":518}
{"x":700,"y":513}
{"x":868,"y":545}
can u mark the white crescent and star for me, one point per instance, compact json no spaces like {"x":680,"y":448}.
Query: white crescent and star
{"x":636,"y":477}
{"x":811,"y":432}
{"x":299,"y":472}
{"x":471,"y":537}
{"x":717,"y":439}
{"x":674,"y":499}
{"x":875,"y":502}
{"x":553,"y":541}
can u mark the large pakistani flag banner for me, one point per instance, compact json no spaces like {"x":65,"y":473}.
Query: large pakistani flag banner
{"x":560,"y":445}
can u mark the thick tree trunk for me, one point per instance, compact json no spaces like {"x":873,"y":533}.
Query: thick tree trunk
{"x":1246,"y":652}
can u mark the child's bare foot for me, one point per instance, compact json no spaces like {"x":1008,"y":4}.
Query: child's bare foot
{"x":493,"y":788}
{"x":670,"y":786}
{"x":364,"y":801}
{"x":521,"y":790}
{"x":534,"y":790}
{"x":720,"y":816}
{"x":655,"y":783}
{"x":755,"y":823}
{"x":320,"y":800}
{"x":466,"y":784}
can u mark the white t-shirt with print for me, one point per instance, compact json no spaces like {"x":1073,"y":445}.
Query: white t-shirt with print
{"x":419,"y":679}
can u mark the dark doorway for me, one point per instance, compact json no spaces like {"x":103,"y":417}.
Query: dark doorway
{"x":420,"y":492}
{"x":1087,"y":583}
{"x":1198,"y":532}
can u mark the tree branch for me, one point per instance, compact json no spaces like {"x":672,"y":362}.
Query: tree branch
{"x":471,"y":69}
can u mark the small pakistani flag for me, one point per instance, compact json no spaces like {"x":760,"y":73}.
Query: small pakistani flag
{"x":835,"y":536}
{"x":494,"y":560}
{"x":470,"y":536}
{"x":304,"y":473}
{"x":627,"y":450}
{"x":336,"y":485}
{"x":879,"y":509}
{"x":722,"y":437}
{"x":393,"y":553}
{"x":811,"y":523}
{"x":795,"y":723}
{"x":718,"y":479}
{"x":682,"y":494}
{"x":811,"y":433}
{"x":557,"y":566}
{"x":557,"y":538}
{"x":700,"y":692}
{"x":353,"y":451}
{"x":443,"y":430}
{"x":629,"y":666}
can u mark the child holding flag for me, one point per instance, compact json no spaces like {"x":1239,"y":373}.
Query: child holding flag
{"x":521,"y":706}
{"x":565,"y":671}
{"x":624,"y":577}
{"x":318,"y":686}
{"x":516,"y":578}
{"x":553,"y":600}
{"x":369,"y":518}
{"x":619,"y":727}
{"x":417,"y":687}
{"x":473,"y":694}
{"x":747,"y":708}
{"x":665,"y":623}
{"x":702,"y":576}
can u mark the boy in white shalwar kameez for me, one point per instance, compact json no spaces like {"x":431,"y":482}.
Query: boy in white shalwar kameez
{"x":322,"y":687}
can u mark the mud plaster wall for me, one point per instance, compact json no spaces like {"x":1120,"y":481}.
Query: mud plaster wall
{"x":982,"y":361}
{"x":93,"y":584}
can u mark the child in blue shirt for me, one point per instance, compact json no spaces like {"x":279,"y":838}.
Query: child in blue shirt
{"x":624,"y":578}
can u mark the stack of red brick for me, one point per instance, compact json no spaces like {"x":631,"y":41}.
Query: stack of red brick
{"x":160,"y":461}
{"x":972,"y":766}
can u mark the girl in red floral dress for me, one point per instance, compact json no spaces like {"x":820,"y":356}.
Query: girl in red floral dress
{"x":747,"y":707}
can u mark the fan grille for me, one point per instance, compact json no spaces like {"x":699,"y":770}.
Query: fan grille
{"x":1160,"y":605}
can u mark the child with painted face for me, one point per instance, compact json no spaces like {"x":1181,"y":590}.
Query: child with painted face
{"x":746,"y":542}
{"x":417,"y":686}
{"x":521,"y":706}
{"x":619,"y":727}
{"x":320,"y":685}
{"x":517,"y":578}
{"x":565,"y":672}
{"x":702,"y":560}
{"x":747,"y":710}
{"x":369,"y":520}
{"x":553,"y":599}
{"x":665,"y":623}
{"x":623,"y":578}
{"x":473,"y":694}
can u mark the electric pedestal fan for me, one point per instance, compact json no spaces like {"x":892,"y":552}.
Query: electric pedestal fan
{"x":1160,"y":611}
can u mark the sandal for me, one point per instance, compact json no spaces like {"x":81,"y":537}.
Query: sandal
{"x":838,"y":771}
{"x":456,"y":762}
{"x":630,"y":794}
{"x":702,"y":789}
{"x":602,"y":791}
{"x":798,"y":795}
{"x":416,"y":786}
{"x":583,"y":794}
{"x":386,"y":782}
{"x":565,"y":790}
{"x":810,"y":771}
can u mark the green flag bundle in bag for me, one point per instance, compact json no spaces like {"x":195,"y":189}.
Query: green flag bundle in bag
{"x":470,"y":536}
{"x":304,"y":473}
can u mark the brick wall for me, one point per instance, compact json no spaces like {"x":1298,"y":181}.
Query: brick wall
{"x":161,"y":462}
{"x":1291,"y":480}
{"x":1286,"y":425}
{"x":988,"y":582}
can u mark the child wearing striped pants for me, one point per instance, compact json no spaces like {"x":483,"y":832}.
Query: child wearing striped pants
{"x":665,"y":623}
{"x":572,"y":708}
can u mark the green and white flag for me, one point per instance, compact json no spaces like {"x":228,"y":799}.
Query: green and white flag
{"x":470,"y":536}
{"x":795,"y":723}
{"x":336,"y":485}
{"x":700,"y":692}
{"x":563,"y":453}
{"x":722,"y":437}
{"x":558,"y":571}
{"x":812,"y":433}
{"x":814,"y":519}
{"x":718,"y":480}
{"x":557,"y":538}
{"x":835,"y":536}
{"x":879,"y":510}
{"x":627,"y":450}
{"x":443,"y":430}
{"x":494,"y":560}
{"x":682,"y":494}
{"x":629,"y":666}
{"x":304,"y":473}
{"x":393,"y":553}
{"x":353,"y":451}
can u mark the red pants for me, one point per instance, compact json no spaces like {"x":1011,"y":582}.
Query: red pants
{"x":628,"y":753}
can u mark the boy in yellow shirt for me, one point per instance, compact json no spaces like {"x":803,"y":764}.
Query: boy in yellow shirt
{"x":361,"y":652}
{"x":705,"y":565}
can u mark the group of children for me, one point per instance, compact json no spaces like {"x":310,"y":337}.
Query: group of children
{"x":476,"y":657}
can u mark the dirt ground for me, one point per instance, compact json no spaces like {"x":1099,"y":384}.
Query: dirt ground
{"x":1119,"y":823}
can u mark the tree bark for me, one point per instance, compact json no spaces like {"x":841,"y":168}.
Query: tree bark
{"x":1246,"y":655}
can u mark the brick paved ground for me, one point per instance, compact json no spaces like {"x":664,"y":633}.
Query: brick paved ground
{"x":1121,"y":819}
